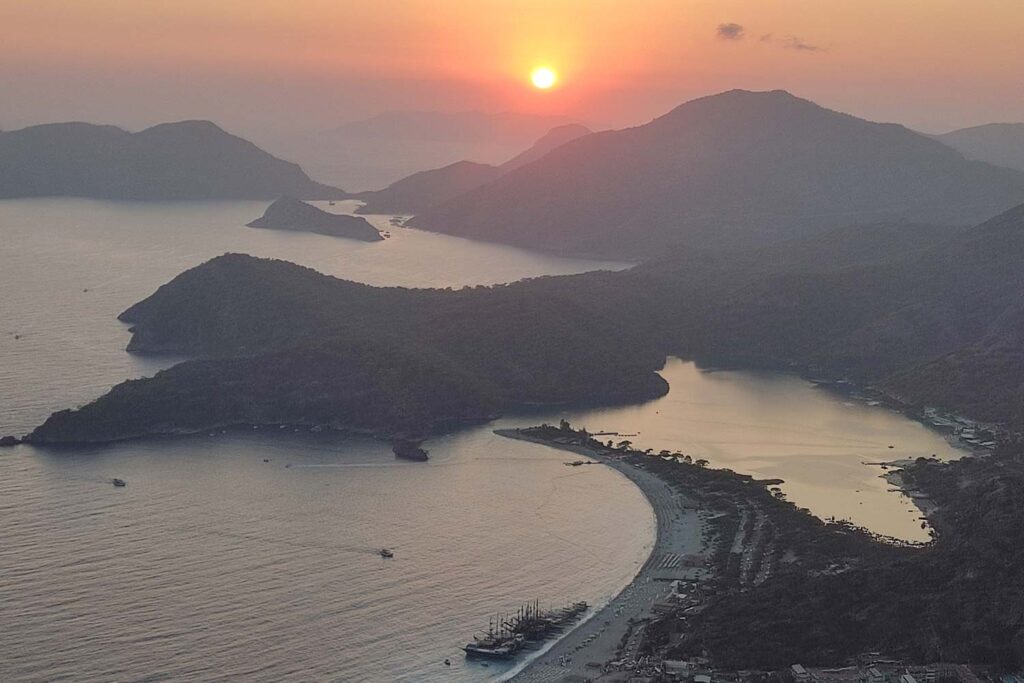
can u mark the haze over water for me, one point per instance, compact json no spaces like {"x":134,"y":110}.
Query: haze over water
{"x":215,"y":565}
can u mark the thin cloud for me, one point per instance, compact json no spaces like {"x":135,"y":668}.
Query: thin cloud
{"x":730,"y":31}
{"x":796,"y":43}
{"x":791,"y":43}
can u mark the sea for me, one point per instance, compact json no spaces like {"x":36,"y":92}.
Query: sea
{"x":254,"y":556}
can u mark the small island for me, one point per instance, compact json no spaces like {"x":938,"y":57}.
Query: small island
{"x":288,"y":213}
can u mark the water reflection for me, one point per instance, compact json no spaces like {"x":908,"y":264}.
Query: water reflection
{"x":777,"y":426}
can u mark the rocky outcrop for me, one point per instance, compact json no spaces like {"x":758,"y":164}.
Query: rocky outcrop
{"x":288,"y":213}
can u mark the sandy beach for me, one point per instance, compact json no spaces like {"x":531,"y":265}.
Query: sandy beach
{"x":581,"y":654}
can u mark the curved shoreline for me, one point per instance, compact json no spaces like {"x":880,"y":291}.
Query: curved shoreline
{"x":525,"y":666}
{"x":597,"y":638}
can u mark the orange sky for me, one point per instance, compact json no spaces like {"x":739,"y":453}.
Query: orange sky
{"x":933,"y":64}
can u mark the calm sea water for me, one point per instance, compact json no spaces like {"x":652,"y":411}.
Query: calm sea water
{"x":776,"y":426}
{"x":214,"y":565}
{"x":252,"y":557}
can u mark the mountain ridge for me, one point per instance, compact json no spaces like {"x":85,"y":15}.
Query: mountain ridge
{"x":1001,"y":144}
{"x":425,"y":189}
{"x":191,"y":159}
{"x":738,"y":168}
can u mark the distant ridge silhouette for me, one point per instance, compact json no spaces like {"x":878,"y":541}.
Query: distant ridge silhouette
{"x":425,"y":189}
{"x":730,"y":169}
{"x":183,"y":160}
{"x":1001,"y":144}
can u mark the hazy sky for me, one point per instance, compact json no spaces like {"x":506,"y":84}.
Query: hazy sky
{"x":265,"y":64}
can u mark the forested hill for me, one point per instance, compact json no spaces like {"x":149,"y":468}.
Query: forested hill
{"x":939,"y":324}
{"x":183,"y":160}
{"x":288,"y":213}
{"x":738,"y":169}
{"x":868,"y":302}
{"x":288,"y":345}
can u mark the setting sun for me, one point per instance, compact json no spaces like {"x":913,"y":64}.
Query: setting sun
{"x":543,"y":78}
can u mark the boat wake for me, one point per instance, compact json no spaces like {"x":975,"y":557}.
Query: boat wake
{"x":308,"y":545}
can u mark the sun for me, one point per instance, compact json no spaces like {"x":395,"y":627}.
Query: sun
{"x":543,"y":78}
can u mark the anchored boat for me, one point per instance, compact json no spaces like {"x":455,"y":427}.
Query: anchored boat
{"x":508,"y":635}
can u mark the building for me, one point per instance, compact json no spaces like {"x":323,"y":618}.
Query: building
{"x":678,"y":669}
{"x":848,"y":674}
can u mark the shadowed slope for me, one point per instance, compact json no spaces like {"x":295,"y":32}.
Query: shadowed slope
{"x":732,"y":169}
{"x":425,"y":189}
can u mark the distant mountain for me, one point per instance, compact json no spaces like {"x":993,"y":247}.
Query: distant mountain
{"x":556,"y":137}
{"x":425,"y":189}
{"x":1001,"y":144}
{"x":288,"y":213}
{"x":185,"y":160}
{"x":737,"y":168}
{"x":376,"y":152}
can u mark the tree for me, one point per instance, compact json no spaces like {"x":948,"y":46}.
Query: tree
{"x":700,"y":462}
